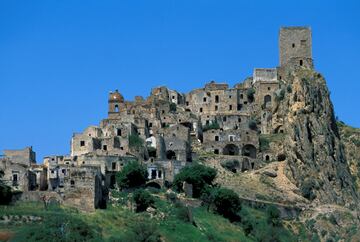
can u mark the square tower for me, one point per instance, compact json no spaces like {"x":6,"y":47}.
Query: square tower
{"x":295,"y":46}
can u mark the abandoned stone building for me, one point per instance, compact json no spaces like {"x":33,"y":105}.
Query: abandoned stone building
{"x":166,"y":131}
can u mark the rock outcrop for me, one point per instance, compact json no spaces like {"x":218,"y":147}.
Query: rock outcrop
{"x":316,"y":160}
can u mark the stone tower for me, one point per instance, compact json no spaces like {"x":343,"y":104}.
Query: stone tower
{"x":295,"y":47}
{"x":115,"y":101}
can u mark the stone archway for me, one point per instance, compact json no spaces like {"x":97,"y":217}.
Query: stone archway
{"x":231,"y":149}
{"x":267,"y":100}
{"x":249,"y":151}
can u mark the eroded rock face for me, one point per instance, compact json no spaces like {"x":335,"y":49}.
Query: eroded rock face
{"x":315,"y":156}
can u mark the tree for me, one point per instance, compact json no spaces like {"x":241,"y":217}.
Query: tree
{"x":227,"y":203}
{"x":135,"y":141}
{"x":208,"y":196}
{"x":5,"y":191}
{"x":198,"y":175}
{"x":132,"y":175}
{"x":143,"y":199}
{"x":250,"y":94}
{"x":273,"y":216}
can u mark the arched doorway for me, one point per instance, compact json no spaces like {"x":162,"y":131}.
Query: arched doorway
{"x":249,"y":150}
{"x":231,"y":149}
{"x":267,"y":100}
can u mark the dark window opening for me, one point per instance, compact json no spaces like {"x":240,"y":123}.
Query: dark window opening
{"x":293,"y":45}
{"x":82,"y":143}
{"x":150,"y":125}
{"x":216,"y":108}
{"x":201,"y":110}
{"x":216,"y":98}
{"x":187,"y":103}
{"x":72,"y":183}
{"x":173,"y":97}
{"x":119,"y":132}
{"x":301,"y":62}
{"x":230,"y":96}
{"x":207,"y":122}
{"x":162,"y":111}
{"x":216,"y":151}
{"x":230,"y":107}
{"x":116,"y":108}
{"x":224,"y":119}
{"x":104,"y":147}
{"x":239,"y":120}
{"x":159,"y":174}
{"x":216,"y":138}
{"x":113,"y":165}
{"x":280,"y":77}
{"x":153,"y":174}
{"x":269,"y":88}
{"x":170,"y":155}
{"x":267,"y":157}
{"x":241,"y":96}
{"x":204,"y":99}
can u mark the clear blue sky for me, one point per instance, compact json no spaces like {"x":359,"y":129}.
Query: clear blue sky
{"x":59,"y":59}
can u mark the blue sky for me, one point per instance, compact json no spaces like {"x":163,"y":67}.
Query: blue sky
{"x":59,"y":59}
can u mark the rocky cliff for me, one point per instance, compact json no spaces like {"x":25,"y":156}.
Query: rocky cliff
{"x":315,"y":155}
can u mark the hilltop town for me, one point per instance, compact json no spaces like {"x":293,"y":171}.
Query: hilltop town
{"x":169,"y":130}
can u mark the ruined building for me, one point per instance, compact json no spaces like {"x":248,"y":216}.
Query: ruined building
{"x":166,"y":131}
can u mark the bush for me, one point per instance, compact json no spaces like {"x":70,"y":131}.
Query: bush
{"x":60,"y":227}
{"x":279,"y":96}
{"x":252,"y":124}
{"x":135,"y":141}
{"x":250,"y":94}
{"x":273,"y":216}
{"x":208,"y":196}
{"x":143,"y":231}
{"x":213,"y":125}
{"x":172,"y":107}
{"x":227,"y":203}
{"x":132,"y":175}
{"x":231,"y":165}
{"x":307,"y":189}
{"x":289,"y":88}
{"x":197,"y":175}
{"x":143,"y":199}
{"x":264,"y":143}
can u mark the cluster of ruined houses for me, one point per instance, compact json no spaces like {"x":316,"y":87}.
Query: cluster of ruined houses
{"x":174,"y":127}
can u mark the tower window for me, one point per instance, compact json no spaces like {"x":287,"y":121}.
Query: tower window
{"x":224,"y":119}
{"x":119,"y":132}
{"x":105,"y":147}
{"x":82,"y":143}
{"x":293,"y":45}
{"x":301,"y":62}
{"x":216,"y":138}
{"x":201,"y":110}
{"x":204,"y":99}
{"x":116,"y":108}
{"x":216,"y":108}
{"x":113,"y":165}
{"x":230,"y":107}
{"x":72,"y":183}
{"x":216,"y":98}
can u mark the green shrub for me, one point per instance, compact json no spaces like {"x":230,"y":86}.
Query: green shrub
{"x":307,"y":189}
{"x":197,"y":175}
{"x":289,"y":88}
{"x":208,"y":196}
{"x":132,"y":175}
{"x":231,"y":165}
{"x":172,"y":107}
{"x":212,"y":125}
{"x":273,"y":216}
{"x":250,"y":94}
{"x":252,"y":124}
{"x":227,"y":203}
{"x":135,"y":141}
{"x":183,"y":213}
{"x":264,"y":143}
{"x":279,"y":96}
{"x":60,"y":227}
{"x":143,"y":199}
{"x":142,"y":230}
